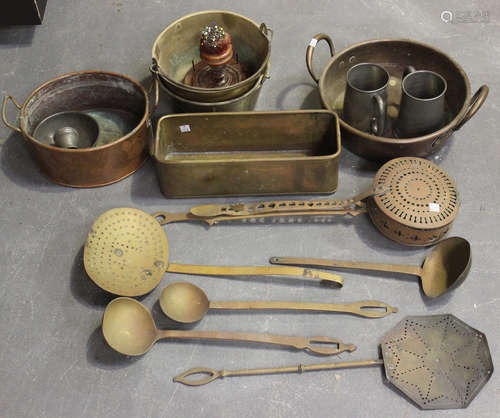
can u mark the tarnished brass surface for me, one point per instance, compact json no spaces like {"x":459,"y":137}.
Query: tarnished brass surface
{"x":248,"y":153}
{"x":126,"y":253}
{"x":445,"y":268}
{"x":184,"y":302}
{"x":178,"y":46}
{"x":412,"y":202}
{"x":323,"y":205}
{"x":437,"y":361}
{"x":242,"y":103}
{"x":83,"y":91}
{"x":420,"y":204}
{"x":129,"y":328}
{"x":394,"y":55}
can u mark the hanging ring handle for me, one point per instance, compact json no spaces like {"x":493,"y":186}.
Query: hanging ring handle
{"x":4,"y":116}
{"x":474,"y":105}
{"x":310,"y":51}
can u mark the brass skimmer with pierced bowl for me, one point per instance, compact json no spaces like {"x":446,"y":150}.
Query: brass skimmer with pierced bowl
{"x":126,"y":253}
{"x":437,"y":361}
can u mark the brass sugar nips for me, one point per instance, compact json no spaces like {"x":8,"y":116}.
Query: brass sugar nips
{"x":129,"y":328}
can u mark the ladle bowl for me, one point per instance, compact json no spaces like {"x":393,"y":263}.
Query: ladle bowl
{"x":444,"y":269}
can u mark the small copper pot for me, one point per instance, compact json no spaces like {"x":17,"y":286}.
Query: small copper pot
{"x":81,"y":91}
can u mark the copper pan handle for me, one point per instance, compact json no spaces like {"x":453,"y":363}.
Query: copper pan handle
{"x":474,"y":105}
{"x":310,"y":51}
{"x":4,"y":116}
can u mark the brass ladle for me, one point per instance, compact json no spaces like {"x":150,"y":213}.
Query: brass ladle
{"x":129,"y":328}
{"x":184,"y":302}
{"x":445,"y":268}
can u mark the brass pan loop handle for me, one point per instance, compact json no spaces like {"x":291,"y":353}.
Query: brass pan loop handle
{"x":310,"y":51}
{"x":4,"y":109}
{"x":474,"y":105}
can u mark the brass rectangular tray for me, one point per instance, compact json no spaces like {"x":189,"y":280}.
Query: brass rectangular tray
{"x":247,"y":153}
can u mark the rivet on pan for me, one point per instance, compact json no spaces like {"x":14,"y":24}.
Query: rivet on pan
{"x":118,"y":252}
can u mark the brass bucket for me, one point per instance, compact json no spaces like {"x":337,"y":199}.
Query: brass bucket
{"x":81,"y":91}
{"x":179,"y":45}
{"x":395,"y":55}
{"x":246,"y":101}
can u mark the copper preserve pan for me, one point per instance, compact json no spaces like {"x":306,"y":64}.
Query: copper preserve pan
{"x":394,"y":55}
{"x":82,"y":91}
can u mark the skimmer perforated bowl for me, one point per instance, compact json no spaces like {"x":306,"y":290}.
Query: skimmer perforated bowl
{"x":438,"y":361}
{"x":126,"y":252}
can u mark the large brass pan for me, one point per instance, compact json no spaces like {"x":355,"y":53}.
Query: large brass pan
{"x":394,"y":55}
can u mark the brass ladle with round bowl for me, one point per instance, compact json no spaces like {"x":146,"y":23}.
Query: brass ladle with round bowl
{"x":129,"y":328}
{"x":445,"y":268}
{"x":186,"y":303}
{"x":126,"y":253}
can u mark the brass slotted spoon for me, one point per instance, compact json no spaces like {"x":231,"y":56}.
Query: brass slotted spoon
{"x":126,"y":253}
{"x":438,"y":361}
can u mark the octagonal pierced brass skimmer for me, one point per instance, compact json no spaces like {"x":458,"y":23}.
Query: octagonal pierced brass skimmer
{"x":437,"y":361}
{"x":126,"y":253}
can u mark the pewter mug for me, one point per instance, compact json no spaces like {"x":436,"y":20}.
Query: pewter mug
{"x":365,"y":101}
{"x":422,"y":108}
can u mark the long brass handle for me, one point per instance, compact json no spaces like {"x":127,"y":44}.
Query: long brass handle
{"x":327,"y":263}
{"x":364,"y":308}
{"x":300,"y":343}
{"x":285,"y":205}
{"x":215,"y":374}
{"x":304,"y":273}
{"x":164,"y":218}
{"x":4,"y":110}
{"x":310,"y":51}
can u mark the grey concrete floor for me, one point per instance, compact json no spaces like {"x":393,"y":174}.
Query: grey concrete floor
{"x":53,"y":359}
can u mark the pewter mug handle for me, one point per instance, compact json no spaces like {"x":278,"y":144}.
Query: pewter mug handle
{"x":377,"y":123}
{"x":408,"y":70}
